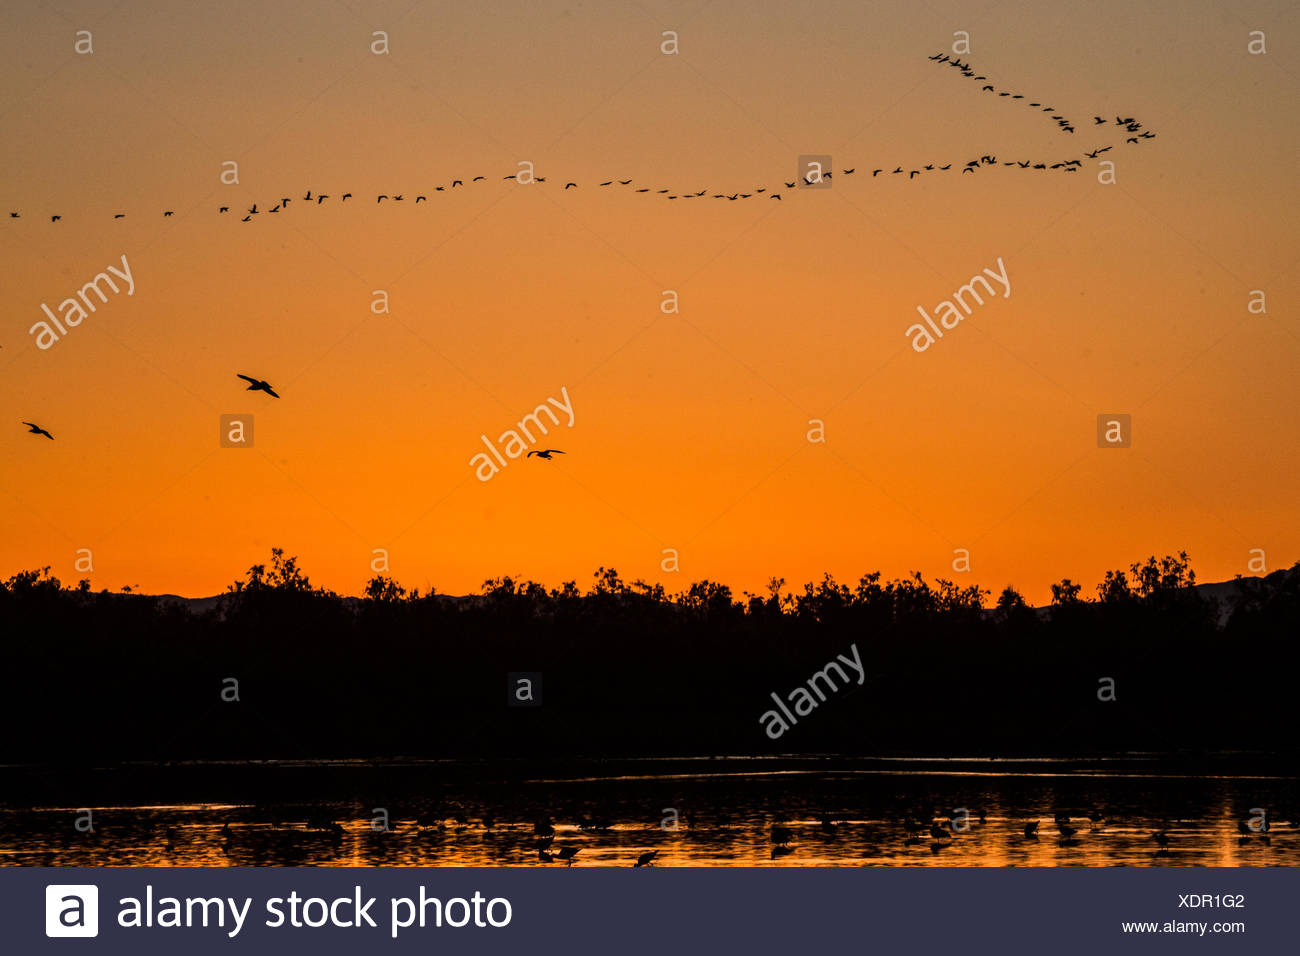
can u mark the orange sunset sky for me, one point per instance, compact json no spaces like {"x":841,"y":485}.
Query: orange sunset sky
{"x":690,"y":429}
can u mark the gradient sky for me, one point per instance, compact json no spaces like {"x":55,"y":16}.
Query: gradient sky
{"x":689,"y":429}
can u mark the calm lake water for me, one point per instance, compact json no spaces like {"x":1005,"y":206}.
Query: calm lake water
{"x":825,"y":811}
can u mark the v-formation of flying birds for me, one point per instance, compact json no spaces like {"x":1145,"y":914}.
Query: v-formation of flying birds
{"x":1125,"y":124}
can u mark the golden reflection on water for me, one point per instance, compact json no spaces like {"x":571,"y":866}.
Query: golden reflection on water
{"x":837,"y":819}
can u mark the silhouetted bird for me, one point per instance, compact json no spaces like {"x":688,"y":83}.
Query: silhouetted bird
{"x":646,"y":859}
{"x":575,"y":186}
{"x":546,"y":453}
{"x":781,"y":835}
{"x":346,"y":197}
{"x":120,"y":215}
{"x":38,"y":430}
{"x":257,"y":385}
{"x":55,"y":218}
{"x":224,"y":209}
{"x":1031,"y":830}
{"x":567,"y":853}
{"x":167,"y":213}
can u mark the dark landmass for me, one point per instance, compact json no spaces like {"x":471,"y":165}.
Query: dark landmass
{"x":1154,"y":664}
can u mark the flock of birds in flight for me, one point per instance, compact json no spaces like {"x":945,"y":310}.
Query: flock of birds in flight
{"x":1138,"y":134}
{"x":1121,"y":123}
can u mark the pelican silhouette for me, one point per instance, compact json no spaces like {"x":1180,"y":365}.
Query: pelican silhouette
{"x":38,"y":430}
{"x":346,"y":197}
{"x":627,"y":182}
{"x":1031,"y":830}
{"x":646,"y":859}
{"x":55,"y":218}
{"x":567,"y":853}
{"x":457,"y":182}
{"x":321,"y":198}
{"x":575,"y":186}
{"x":14,"y":215}
{"x":167,"y":213}
{"x":379,"y":199}
{"x":120,"y":215}
{"x":247,"y":219}
{"x":546,"y":453}
{"x":307,"y":198}
{"x":257,"y":385}
{"x":477,"y":178}
{"x":419,"y":198}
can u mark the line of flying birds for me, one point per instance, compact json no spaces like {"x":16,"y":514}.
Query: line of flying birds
{"x":1070,"y":165}
{"x":1128,"y":124}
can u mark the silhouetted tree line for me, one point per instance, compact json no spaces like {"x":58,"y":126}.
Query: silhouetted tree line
{"x":628,"y":669}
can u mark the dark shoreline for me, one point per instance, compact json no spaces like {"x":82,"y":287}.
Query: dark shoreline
{"x":270,"y":780}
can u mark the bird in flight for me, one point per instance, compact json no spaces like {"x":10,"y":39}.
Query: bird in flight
{"x":38,"y":430}
{"x":545,"y":453}
{"x":55,"y":218}
{"x":574,"y":186}
{"x":257,"y":385}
